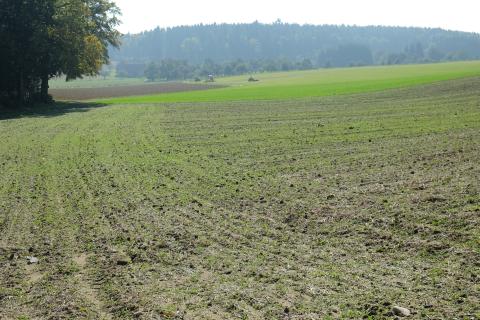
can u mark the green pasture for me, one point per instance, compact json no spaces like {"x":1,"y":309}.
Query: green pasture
{"x":317,"y":83}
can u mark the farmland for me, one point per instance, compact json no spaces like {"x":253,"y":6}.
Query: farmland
{"x":100,"y":91}
{"x":94,"y":82}
{"x":332,"y":194}
{"x":318,"y":83}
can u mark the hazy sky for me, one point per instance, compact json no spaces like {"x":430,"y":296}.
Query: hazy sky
{"x":139,"y":15}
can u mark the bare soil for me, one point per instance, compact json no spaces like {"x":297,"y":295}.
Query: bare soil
{"x":124,"y":91}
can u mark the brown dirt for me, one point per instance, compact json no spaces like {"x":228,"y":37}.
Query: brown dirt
{"x":87,"y":290}
{"x":81,"y":260}
{"x":124,"y":91}
{"x":33,"y":274}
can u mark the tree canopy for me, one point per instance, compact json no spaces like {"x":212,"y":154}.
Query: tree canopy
{"x":45,"y":38}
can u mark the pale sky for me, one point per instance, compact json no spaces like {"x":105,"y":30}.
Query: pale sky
{"x":463,"y":15}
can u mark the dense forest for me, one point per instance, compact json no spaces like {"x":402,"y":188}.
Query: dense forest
{"x":281,"y":46}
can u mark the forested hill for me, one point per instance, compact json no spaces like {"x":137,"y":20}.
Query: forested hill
{"x":323,"y":46}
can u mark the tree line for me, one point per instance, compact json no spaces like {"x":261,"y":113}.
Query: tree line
{"x":323,"y":46}
{"x":41,"y":39}
{"x":173,"y":69}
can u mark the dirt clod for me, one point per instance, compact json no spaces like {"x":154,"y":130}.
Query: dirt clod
{"x":123,"y":260}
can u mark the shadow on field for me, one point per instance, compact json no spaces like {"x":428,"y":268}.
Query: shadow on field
{"x":47,"y":110}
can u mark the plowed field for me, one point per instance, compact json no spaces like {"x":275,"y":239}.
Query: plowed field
{"x":124,"y":91}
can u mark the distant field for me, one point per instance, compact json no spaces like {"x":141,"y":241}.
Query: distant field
{"x":335,"y":207}
{"x":95,"y":82}
{"x":77,"y":94}
{"x":316,"y":83}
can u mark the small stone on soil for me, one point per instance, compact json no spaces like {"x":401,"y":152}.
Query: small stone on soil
{"x":400,"y":311}
{"x":32,"y":260}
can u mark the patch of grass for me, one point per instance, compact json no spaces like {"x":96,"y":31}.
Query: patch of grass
{"x":317,"y":83}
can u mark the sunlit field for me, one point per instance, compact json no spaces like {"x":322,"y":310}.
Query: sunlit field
{"x":318,"y":83}
{"x":301,"y":196}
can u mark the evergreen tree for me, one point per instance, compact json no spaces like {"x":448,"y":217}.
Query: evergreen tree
{"x":325,"y":45}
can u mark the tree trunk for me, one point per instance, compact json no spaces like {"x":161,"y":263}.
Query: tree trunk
{"x":44,"y":97}
{"x":21,"y":90}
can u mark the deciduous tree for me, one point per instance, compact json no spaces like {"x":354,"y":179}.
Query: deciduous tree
{"x":45,"y":38}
